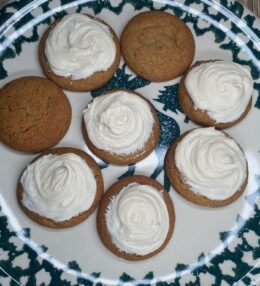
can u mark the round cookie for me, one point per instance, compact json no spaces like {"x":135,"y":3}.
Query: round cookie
{"x":92,"y":82}
{"x":106,"y":199}
{"x":157,"y":46}
{"x":200,"y":116}
{"x":34,"y":114}
{"x":177,"y":179}
{"x":126,"y":159}
{"x":47,"y":222}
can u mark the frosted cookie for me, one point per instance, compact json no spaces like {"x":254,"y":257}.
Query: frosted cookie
{"x":216,"y":93}
{"x":121,"y":127}
{"x":135,"y":218}
{"x":207,"y":167}
{"x":35,"y":114}
{"x":157,"y":46}
{"x":60,"y":188}
{"x":79,"y":52}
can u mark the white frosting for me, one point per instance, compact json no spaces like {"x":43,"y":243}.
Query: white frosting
{"x":58,"y":187}
{"x":137,"y":219}
{"x":212,"y":164}
{"x":222,"y":89}
{"x":79,"y":46}
{"x":119,"y":122}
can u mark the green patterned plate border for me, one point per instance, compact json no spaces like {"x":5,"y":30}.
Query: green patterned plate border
{"x":235,"y":243}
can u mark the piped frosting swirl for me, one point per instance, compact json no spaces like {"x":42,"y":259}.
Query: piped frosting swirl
{"x":58,"y":187}
{"x":222,"y":89}
{"x":78,"y":46}
{"x":137,"y":219}
{"x":212,"y":164}
{"x":119,"y":122}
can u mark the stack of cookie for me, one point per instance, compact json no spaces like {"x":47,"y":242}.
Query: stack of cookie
{"x":63,"y":186}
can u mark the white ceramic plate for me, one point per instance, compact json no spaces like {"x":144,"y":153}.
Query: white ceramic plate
{"x":209,"y":246}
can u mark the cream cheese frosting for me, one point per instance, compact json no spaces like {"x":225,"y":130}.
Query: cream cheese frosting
{"x":58,"y":187}
{"x":137,"y":219}
{"x":222,"y":89}
{"x":211,"y":163}
{"x":119,"y":122}
{"x":78,"y":46}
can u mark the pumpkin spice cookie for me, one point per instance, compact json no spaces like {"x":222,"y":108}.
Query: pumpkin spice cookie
{"x":135,"y":218}
{"x":157,"y":46}
{"x":60,"y":188}
{"x":34,"y":114}
{"x":121,"y":127}
{"x":216,"y":93}
{"x":79,"y":52}
{"x":207,"y":167}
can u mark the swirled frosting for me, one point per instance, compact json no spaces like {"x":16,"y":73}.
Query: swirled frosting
{"x":58,"y":187}
{"x":222,"y":89}
{"x":212,"y":164}
{"x":79,"y":46}
{"x":137,"y":219}
{"x":119,"y":122}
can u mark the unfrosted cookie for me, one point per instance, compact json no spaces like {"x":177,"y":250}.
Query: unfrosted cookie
{"x":121,"y":127}
{"x":60,"y":188}
{"x":207,"y":167}
{"x":34,"y":114}
{"x":216,"y":93}
{"x":157,"y":46}
{"x":79,"y":52}
{"x":135,"y":218}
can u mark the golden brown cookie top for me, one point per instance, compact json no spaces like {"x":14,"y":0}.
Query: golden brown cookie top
{"x":62,"y":190}
{"x":143,"y":211}
{"x":157,"y":46}
{"x":34,"y":114}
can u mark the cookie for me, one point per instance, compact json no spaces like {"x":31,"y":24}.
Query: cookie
{"x":207,"y":167}
{"x":216,"y":93}
{"x":66,"y":190}
{"x":143,"y":211}
{"x":157,"y":46}
{"x":35,"y":114}
{"x":79,"y":52}
{"x":121,"y":127}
